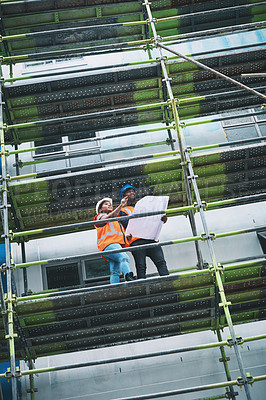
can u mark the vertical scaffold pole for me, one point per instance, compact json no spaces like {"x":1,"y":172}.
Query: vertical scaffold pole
{"x":224,"y":360}
{"x":208,"y":237}
{"x":181,"y":141}
{"x":9,"y":299}
{"x":217,"y":270}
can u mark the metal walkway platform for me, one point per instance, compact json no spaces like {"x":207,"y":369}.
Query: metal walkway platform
{"x":60,"y":199}
{"x":110,"y":315}
{"x":105,"y":100}
{"x":67,"y":26}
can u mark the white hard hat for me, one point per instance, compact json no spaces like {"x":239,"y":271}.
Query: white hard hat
{"x":100,"y":203}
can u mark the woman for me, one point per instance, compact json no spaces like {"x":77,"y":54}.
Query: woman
{"x":111,"y":236}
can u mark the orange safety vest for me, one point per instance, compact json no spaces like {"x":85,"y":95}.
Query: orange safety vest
{"x":129,"y":210}
{"x":110,"y":232}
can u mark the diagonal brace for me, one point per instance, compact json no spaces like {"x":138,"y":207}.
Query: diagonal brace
{"x":203,"y":66}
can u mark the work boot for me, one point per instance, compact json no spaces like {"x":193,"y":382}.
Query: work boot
{"x":130,"y":277}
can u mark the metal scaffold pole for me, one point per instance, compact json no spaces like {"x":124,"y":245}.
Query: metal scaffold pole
{"x":117,"y":98}
{"x":190,"y":176}
{"x":181,"y":142}
{"x":6,"y":235}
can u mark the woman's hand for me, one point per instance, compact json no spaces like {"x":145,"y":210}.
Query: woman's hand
{"x":124,"y":201}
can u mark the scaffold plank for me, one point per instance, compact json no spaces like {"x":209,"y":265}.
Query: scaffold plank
{"x":59,"y":199}
{"x":65,"y":21}
{"x":129,"y":90}
{"x":143,"y":310}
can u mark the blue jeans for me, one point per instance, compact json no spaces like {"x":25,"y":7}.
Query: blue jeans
{"x":118,"y":262}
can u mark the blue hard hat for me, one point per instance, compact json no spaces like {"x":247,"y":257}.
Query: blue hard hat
{"x":125,"y":187}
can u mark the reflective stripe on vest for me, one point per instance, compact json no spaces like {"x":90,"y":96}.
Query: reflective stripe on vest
{"x":113,"y":232}
{"x":110,"y":232}
{"x":129,"y":211}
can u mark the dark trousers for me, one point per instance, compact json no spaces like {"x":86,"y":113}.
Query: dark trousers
{"x":155,"y":254}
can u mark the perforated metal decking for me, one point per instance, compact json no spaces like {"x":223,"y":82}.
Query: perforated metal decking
{"x":162,"y":89}
{"x":98,"y":317}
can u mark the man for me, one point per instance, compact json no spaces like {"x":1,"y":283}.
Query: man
{"x":155,"y":253}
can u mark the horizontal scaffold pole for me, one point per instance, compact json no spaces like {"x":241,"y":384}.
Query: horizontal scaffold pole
{"x":55,"y":293}
{"x":72,"y":29}
{"x":127,"y":46}
{"x":217,"y":73}
{"x":175,"y":39}
{"x":202,"y":237}
{"x":101,"y":49}
{"x":133,"y":63}
{"x":200,"y":121}
{"x":237,"y":382}
{"x":120,"y":160}
{"x":184,"y":124}
{"x":129,"y":23}
{"x":93,"y":139}
{"x":129,"y":159}
{"x":142,"y":107}
{"x":99,"y":114}
{"x":89,"y":152}
{"x":205,"y":13}
{"x":136,"y":357}
{"x":70,"y":228}
{"x":255,"y":75}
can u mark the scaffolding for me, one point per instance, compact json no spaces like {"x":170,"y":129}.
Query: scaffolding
{"x":160,"y":89}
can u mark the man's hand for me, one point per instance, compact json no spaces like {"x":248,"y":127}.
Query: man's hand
{"x":164,"y":219}
{"x":124,"y":201}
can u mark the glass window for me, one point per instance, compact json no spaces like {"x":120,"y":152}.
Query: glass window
{"x":262,"y":240}
{"x":61,"y":276}
{"x":262,"y":129}
{"x":47,"y":150}
{"x":241,"y":132}
{"x":95,"y":268}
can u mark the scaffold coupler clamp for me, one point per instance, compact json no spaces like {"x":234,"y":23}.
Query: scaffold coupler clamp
{"x":149,"y":21}
{"x":5,"y":206}
{"x":157,"y":40}
{"x":148,"y":46}
{"x":33,"y":390}
{"x":4,"y":152}
{"x":202,"y":205}
{"x":239,"y":341}
{"x":166,"y":79}
{"x":205,"y":237}
{"x":162,"y":58}
{"x":249,"y":379}
{"x":176,"y":101}
{"x":169,"y":141}
{"x":218,"y":267}
{"x":11,"y":335}
{"x":9,"y":235}
{"x":231,"y":395}
{"x":3,"y":267}
{"x":192,"y":177}
{"x":9,"y":375}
